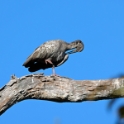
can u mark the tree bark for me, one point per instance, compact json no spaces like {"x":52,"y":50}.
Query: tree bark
{"x":58,"y":89}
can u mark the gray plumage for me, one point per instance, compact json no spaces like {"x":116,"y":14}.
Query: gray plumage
{"x":52,"y":54}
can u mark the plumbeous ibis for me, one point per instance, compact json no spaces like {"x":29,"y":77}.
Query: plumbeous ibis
{"x":51,"y":54}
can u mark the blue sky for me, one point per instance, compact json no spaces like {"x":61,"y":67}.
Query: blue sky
{"x":26,"y":24}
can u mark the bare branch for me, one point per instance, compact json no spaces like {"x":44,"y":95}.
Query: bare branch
{"x":58,"y":89}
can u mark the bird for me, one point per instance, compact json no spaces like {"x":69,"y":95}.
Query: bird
{"x":51,"y":54}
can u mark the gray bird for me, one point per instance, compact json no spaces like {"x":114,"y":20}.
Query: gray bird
{"x":51,"y":54}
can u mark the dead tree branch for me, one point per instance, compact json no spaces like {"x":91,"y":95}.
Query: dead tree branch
{"x":58,"y":89}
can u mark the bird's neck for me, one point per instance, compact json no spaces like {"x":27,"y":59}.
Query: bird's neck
{"x":70,"y":46}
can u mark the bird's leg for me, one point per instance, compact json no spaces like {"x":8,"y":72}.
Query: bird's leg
{"x":53,"y":67}
{"x":49,"y":61}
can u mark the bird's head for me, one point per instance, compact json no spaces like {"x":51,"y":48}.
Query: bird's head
{"x":75,"y":46}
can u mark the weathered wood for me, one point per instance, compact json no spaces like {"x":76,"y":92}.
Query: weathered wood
{"x":58,"y":89}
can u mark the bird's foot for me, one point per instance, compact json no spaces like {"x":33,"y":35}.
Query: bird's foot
{"x":55,"y":75}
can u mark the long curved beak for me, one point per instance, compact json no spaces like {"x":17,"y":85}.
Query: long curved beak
{"x":71,"y":51}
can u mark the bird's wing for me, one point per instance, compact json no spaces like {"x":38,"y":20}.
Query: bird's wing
{"x":45,"y":51}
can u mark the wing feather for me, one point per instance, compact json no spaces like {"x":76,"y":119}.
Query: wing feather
{"x":45,"y":51}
